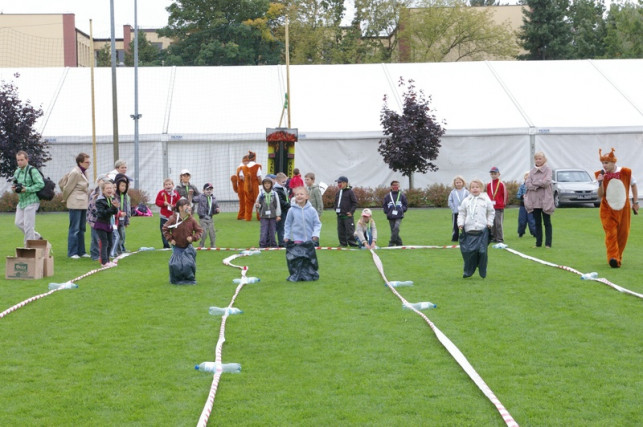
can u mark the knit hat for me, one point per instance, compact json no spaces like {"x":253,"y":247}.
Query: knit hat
{"x":607,"y":157}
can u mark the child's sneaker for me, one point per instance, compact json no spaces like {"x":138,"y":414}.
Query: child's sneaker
{"x":109,"y":264}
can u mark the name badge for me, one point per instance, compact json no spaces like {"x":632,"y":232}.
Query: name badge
{"x":394,"y":212}
{"x":267,"y":213}
{"x":338,"y":210}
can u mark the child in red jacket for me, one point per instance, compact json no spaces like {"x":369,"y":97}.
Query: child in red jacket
{"x":166,"y":200}
{"x":497,"y":192}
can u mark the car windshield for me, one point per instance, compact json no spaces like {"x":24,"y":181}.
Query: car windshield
{"x":573,"y":176}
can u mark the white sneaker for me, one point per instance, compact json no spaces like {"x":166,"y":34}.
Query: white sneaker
{"x":85,"y":256}
{"x":74,"y":257}
{"x":109,"y":264}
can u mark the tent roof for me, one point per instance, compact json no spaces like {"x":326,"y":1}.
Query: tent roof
{"x":332,"y":100}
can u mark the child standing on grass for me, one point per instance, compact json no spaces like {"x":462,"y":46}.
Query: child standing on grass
{"x":456,"y":197}
{"x":269,"y":212}
{"x":475,"y":219}
{"x":94,"y":248}
{"x":284,"y":203}
{"x":525,"y":218}
{"x":366,"y":230}
{"x":106,"y":208}
{"x":301,"y":234}
{"x":166,"y":200}
{"x":123,"y":216}
{"x":207,"y":207}
{"x":394,"y":205}
{"x":497,"y":192}
{"x":181,"y":230}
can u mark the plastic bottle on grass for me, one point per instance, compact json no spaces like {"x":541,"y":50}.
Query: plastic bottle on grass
{"x":220,"y":311}
{"x":233,"y":368}
{"x":250,"y":252}
{"x":397,"y":283}
{"x":249,"y":280}
{"x":418,"y":305}
{"x":589,"y":276}
{"x":66,"y":285}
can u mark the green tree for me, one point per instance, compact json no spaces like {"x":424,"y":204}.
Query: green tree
{"x":17,"y":130}
{"x":379,"y":23}
{"x":412,"y":139}
{"x":148,"y":54}
{"x":104,"y":56}
{"x":219,"y":32}
{"x":546,"y":32}
{"x":483,"y":2}
{"x":588,"y":28}
{"x":624,"y":30}
{"x":449,"y":30}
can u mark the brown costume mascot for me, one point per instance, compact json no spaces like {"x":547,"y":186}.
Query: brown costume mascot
{"x":238,"y":187}
{"x":251,"y":174}
{"x":614,"y":185}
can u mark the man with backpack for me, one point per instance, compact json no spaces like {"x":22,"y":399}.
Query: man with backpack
{"x":27,"y":184}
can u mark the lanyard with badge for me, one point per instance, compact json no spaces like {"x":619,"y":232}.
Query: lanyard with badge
{"x":396,"y":202}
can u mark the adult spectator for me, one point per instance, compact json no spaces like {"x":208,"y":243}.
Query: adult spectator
{"x":539,"y":198}
{"x":251,"y":175}
{"x":120,"y":166}
{"x":27,"y":181}
{"x":76,"y":197}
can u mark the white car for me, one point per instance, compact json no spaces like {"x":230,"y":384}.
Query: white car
{"x":574,"y":187}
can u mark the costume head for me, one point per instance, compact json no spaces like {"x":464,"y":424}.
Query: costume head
{"x":607,"y":157}
{"x":252,"y":156}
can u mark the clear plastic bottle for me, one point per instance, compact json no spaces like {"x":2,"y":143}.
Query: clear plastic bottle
{"x":233,"y":368}
{"x":248,"y":280}
{"x":419,"y":305}
{"x":250,"y":252}
{"x":589,"y":276}
{"x":66,"y":285}
{"x":145,"y":248}
{"x":220,"y":311}
{"x":397,"y":283}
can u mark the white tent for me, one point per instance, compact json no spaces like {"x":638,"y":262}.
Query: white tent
{"x":206,"y":118}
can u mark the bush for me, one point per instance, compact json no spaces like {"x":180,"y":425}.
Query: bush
{"x":138,"y":196}
{"x":415,"y":197}
{"x":9,"y":201}
{"x":437,"y":195}
{"x":512,"y":190}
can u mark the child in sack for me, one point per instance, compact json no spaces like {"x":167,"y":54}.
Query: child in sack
{"x":301,"y":234}
{"x":475,"y":219}
{"x":269,"y":212}
{"x":180,"y":231}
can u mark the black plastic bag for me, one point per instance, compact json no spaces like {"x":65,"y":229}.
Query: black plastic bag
{"x":183,"y":266}
{"x":473,"y":246}
{"x":302,"y":261}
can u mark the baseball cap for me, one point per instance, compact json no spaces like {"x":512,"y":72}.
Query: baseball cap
{"x":494,"y":169}
{"x":366,"y":212}
{"x":341,"y":179}
{"x":185,"y":172}
{"x":208,"y":185}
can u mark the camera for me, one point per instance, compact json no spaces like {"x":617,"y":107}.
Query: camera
{"x":18,"y":186}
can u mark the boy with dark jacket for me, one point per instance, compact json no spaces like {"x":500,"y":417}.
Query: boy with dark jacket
{"x":207,"y":206}
{"x":394,"y":206}
{"x":345,"y":205}
{"x":269,"y":211}
{"x":284,"y":203}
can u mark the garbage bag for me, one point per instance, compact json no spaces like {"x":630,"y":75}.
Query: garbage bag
{"x":183,"y":266}
{"x":302,"y":261}
{"x":473,"y":246}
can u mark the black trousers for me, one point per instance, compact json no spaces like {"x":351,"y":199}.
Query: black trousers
{"x":346,"y":231}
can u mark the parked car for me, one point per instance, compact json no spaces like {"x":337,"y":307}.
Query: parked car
{"x":574,"y":187}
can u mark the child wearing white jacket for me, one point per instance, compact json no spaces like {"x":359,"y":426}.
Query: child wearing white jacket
{"x":475,"y":218}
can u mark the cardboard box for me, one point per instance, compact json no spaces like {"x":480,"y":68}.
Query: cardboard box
{"x":48,"y":266}
{"x":25,"y":265}
{"x":43,"y":246}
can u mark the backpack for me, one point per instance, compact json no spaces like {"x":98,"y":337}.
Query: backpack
{"x":49,"y":190}
{"x":141,"y":210}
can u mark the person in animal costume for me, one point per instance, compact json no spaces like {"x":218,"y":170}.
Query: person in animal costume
{"x":614,"y":184}
{"x":251,"y":175}
{"x":238,"y":187}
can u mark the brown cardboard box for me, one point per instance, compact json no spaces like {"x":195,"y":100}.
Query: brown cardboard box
{"x":25,"y":265}
{"x":43,"y":246}
{"x":48,"y":266}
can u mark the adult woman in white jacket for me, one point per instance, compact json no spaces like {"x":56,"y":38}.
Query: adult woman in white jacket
{"x":76,"y":197}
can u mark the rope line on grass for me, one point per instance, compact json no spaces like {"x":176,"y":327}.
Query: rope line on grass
{"x":207,"y":408}
{"x":573,"y":270}
{"x":333,"y":248}
{"x":37,"y":297}
{"x":452,"y":349}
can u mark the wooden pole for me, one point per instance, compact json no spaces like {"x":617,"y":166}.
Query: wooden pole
{"x":91,"y":43}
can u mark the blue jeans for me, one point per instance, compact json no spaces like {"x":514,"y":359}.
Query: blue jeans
{"x":94,"y":249}
{"x":76,"y":236}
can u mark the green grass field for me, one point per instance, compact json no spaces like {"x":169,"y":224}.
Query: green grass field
{"x":121,"y":349}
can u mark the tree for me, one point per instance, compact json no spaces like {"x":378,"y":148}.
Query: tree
{"x":17,"y":121}
{"x":148,"y":54}
{"x":546,"y":32}
{"x":483,"y":2}
{"x":413,"y":138}
{"x":624,"y":31}
{"x":588,"y":28}
{"x":379,"y":23}
{"x":449,"y":30}
{"x":219,"y":32}
{"x":104,"y":56}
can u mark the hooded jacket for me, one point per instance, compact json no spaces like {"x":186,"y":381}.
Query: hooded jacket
{"x":302,"y":223}
{"x":123,"y":199}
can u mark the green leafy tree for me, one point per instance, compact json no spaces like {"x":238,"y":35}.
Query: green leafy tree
{"x":379,"y":23}
{"x":412,"y":139}
{"x":449,"y":30}
{"x":588,"y":28}
{"x":483,"y":2}
{"x":219,"y":32}
{"x":624,"y":30}
{"x":17,"y":122}
{"x":104,"y":56}
{"x":546,"y":32}
{"x":148,"y":54}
